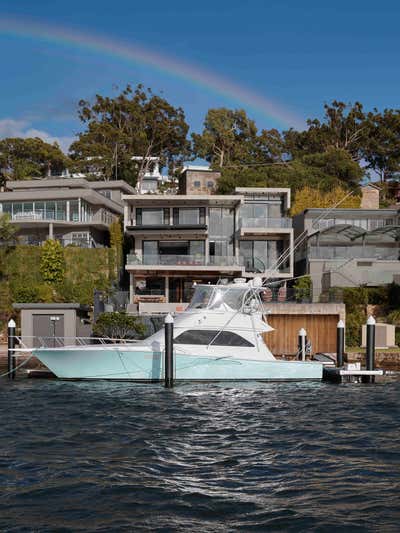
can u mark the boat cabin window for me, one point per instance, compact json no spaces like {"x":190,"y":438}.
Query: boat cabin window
{"x":206,"y":336}
{"x":218,"y":298}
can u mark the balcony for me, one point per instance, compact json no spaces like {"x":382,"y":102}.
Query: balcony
{"x":263,"y":223}
{"x":185,"y":260}
{"x":199,"y":262}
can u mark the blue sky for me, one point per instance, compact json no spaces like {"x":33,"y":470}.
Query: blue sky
{"x":298,"y":54}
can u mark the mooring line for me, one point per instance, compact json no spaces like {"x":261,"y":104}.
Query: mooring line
{"x":17,"y":367}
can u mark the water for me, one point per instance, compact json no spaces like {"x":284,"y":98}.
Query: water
{"x":258,"y":457}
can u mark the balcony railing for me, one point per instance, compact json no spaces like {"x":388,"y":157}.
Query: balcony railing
{"x":101,"y":216}
{"x":184,"y":260}
{"x":248,"y":264}
{"x":353,"y":252}
{"x":265,"y":222}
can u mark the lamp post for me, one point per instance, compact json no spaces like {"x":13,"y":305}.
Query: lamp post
{"x":54,"y":320}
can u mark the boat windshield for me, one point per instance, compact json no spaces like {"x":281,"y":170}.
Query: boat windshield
{"x":218,"y":298}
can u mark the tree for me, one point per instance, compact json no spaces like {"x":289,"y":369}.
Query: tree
{"x":134,"y":123}
{"x":118,"y":326}
{"x":229,"y":136}
{"x":26,"y":158}
{"x":343,"y":127}
{"x":52,"y":262}
{"x":323,"y":171}
{"x":310,"y":197}
{"x":382,"y":146}
{"x":7,"y":229}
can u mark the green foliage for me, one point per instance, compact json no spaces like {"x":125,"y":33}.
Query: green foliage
{"x":26,"y":158}
{"x":23,"y":293}
{"x":394,"y":317}
{"x":117,"y":241}
{"x":321,"y":171}
{"x":52,"y":262}
{"x":355,"y":296}
{"x":354,"y":322}
{"x":303,"y":289}
{"x":118,"y":326}
{"x":21,"y":280}
{"x":7,"y":229}
{"x":229,"y":136}
{"x":313,"y":197}
{"x":394,"y":295}
{"x":135,"y":122}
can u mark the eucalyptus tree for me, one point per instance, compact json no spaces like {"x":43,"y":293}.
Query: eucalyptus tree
{"x":136,"y":122}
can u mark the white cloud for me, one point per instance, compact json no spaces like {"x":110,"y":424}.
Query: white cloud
{"x":10,"y":127}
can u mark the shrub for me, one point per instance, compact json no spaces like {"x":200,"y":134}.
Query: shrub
{"x":52,"y":263}
{"x":118,"y":326}
{"x":303,"y":289}
{"x":354,"y":296}
{"x":354,"y":321}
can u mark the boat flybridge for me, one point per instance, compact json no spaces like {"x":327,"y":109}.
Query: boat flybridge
{"x":220,"y":337}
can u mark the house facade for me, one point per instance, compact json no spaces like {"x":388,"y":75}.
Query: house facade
{"x":72,"y":210}
{"x":179,"y":240}
{"x":348,"y":248}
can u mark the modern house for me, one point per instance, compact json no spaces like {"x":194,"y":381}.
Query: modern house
{"x":72,"y":210}
{"x":349,"y":247}
{"x":179,"y":240}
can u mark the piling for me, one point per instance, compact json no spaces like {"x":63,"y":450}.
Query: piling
{"x":370,"y":349}
{"x":169,"y":352}
{"x":302,"y":341}
{"x":339,"y":343}
{"x":11,"y":349}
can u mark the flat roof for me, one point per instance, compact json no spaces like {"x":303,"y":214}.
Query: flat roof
{"x":69,"y":183}
{"x":90,"y":195}
{"x":190,"y":199}
{"x":50,"y":306}
{"x":262,"y":190}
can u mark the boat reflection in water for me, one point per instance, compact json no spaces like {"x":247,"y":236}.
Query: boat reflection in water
{"x":219,"y":337}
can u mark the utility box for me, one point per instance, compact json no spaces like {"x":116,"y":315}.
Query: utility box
{"x":53,"y":324}
{"x":384,"y":336}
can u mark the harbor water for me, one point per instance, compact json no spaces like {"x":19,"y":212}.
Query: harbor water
{"x":101,"y":456}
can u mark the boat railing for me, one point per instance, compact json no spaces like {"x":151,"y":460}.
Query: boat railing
{"x":31,"y":342}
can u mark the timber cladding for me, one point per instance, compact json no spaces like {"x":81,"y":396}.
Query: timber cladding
{"x":321,"y":331}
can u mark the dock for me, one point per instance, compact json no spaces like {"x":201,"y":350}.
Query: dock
{"x":350,"y":375}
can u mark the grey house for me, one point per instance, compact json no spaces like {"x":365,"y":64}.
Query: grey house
{"x":349,"y":247}
{"x":72,"y":210}
{"x":178,"y":240}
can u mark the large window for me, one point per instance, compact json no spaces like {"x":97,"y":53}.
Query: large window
{"x":152,"y":216}
{"x":189,"y":215}
{"x":214,"y":337}
{"x":265,"y":251}
{"x":268,"y":206}
{"x":221,"y":231}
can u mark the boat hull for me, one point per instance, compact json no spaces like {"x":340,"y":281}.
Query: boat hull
{"x":148,"y":366}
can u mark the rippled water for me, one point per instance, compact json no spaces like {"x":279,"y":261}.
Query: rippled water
{"x":118,"y":456}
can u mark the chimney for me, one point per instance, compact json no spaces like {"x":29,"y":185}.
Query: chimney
{"x":198,"y":179}
{"x":370,"y":197}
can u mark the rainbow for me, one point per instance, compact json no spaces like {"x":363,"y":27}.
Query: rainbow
{"x":165,"y":64}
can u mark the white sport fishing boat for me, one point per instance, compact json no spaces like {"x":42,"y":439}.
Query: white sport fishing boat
{"x":220,"y":337}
